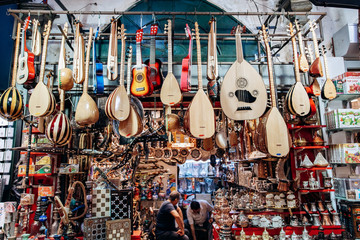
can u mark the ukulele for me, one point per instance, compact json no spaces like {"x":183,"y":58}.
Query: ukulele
{"x":26,"y":69}
{"x":36,"y":38}
{"x":170,"y":93}
{"x":303,"y":63}
{"x":41,"y":100}
{"x":78,"y":62}
{"x":200,"y":118}
{"x":328,"y":90}
{"x":243,"y":93}
{"x":314,"y":86}
{"x":65,"y":79}
{"x":98,"y":79}
{"x":11,"y":103}
{"x":155,"y":75}
{"x":212,"y":66}
{"x":297,"y":98}
{"x":87,"y":112}
{"x":141,"y":85}
{"x":118,"y":104}
{"x":272,"y":127}
{"x":132,"y":126}
{"x":315,"y":68}
{"x":112,"y":61}
{"x":186,"y":64}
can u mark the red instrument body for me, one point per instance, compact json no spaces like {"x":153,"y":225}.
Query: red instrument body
{"x":154,"y":64}
{"x":186,"y":65}
{"x":31,"y":56}
{"x":312,"y":103}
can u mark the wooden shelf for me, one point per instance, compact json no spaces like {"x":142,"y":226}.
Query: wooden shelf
{"x":313,"y":169}
{"x":309,"y":147}
{"x":316,"y":190}
{"x":298,"y":127}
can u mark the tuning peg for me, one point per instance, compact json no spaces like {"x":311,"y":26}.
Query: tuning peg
{"x":165,"y":32}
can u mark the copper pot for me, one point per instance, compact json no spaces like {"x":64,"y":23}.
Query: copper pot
{"x":173,"y":122}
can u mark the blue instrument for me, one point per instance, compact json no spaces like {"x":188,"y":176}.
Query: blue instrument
{"x":98,"y":79}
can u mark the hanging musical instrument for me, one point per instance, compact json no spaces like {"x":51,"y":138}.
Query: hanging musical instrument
{"x":41,"y":100}
{"x":118,"y":104}
{"x":212,"y":71}
{"x":328,"y":90}
{"x":11,"y":103}
{"x":243,"y":93}
{"x":78,"y":62}
{"x":141,"y":85}
{"x":186,"y":64}
{"x":314,"y":86}
{"x":112,"y":61}
{"x":200,"y":118}
{"x":155,"y":74}
{"x":297,"y":98}
{"x":170,"y":93}
{"x":315,"y":68}
{"x":65,"y":75}
{"x":303,"y":63}
{"x":273,"y":134}
{"x":87,"y":112}
{"x":132,"y":126}
{"x":26,"y":69}
{"x":98,"y":79}
{"x":36,"y":38}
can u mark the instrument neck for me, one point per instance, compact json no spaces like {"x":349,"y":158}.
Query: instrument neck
{"x":122,"y":64}
{"x":138,"y":54}
{"x":170,"y":67}
{"x":316,"y":46}
{"x":44,"y":52}
{"x":190,"y":50}
{"x":62,"y":57}
{"x":301,"y":43}
{"x":296,"y":60}
{"x":239,"y":50}
{"x":271,"y":76}
{"x":16,"y":55}
{"x":22,"y":43}
{"x":326,"y":67}
{"x":86,"y":81}
{"x":198,"y":49}
{"x":128,"y":77}
{"x":152,"y":50}
{"x":62,"y":100}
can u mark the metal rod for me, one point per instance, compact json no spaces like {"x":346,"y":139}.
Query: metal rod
{"x":96,"y":13}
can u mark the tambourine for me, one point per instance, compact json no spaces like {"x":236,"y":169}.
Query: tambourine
{"x":195,"y":154}
{"x":158,"y":153}
{"x":167,"y":153}
{"x":184,"y":152}
{"x":175,"y":152}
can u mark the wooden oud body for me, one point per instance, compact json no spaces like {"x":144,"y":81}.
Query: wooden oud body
{"x":120,"y":104}
{"x":316,"y":68}
{"x":11,"y":104}
{"x":87,"y":112}
{"x":328,"y":91}
{"x":170,"y":93}
{"x":298,"y":100}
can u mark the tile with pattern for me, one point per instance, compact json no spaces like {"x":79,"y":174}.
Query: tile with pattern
{"x":100,"y":203}
{"x":119,"y":229}
{"x":95,"y":228}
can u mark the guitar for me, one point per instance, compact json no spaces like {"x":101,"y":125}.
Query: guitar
{"x":26,"y":69}
{"x":41,"y":100}
{"x":87,"y":112}
{"x":200,"y":118}
{"x":141,"y":85}
{"x":112,"y":61}
{"x":36,"y":38}
{"x":155,"y":75}
{"x":297,"y":98}
{"x":170,"y":93}
{"x":11,"y":103}
{"x":314,"y":87}
{"x":186,"y":64}
{"x":315,"y":68}
{"x":243,"y":93}
{"x":98,"y":79}
{"x":212,"y":66}
{"x":65,"y":79}
{"x":273,"y":132}
{"x":328,"y":90}
{"x":78,"y":62}
{"x":303,"y":63}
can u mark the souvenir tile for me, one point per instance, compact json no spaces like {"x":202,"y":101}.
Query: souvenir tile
{"x":95,"y":228}
{"x":121,"y":204}
{"x":119,"y":229}
{"x":101,"y":203}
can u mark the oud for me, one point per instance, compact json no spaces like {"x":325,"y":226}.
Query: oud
{"x":315,"y":68}
{"x":212,"y":66}
{"x":79,"y":49}
{"x":112,"y":61}
{"x":303,"y":63}
{"x":328,"y":90}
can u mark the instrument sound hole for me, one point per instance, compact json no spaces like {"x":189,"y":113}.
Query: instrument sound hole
{"x":139,"y":78}
{"x":241,"y":83}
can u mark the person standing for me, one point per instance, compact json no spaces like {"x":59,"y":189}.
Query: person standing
{"x":168,"y":213}
{"x":199,"y":218}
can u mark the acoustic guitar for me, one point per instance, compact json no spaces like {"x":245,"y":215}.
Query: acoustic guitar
{"x":78,"y":61}
{"x":303,"y":63}
{"x":11,"y":103}
{"x":132,"y":126}
{"x":272,"y":127}
{"x":65,"y":75}
{"x":315,"y":68}
{"x":118,"y":104}
{"x":141,"y":85}
{"x":26,"y":69}
{"x":98,"y":79}
{"x":87,"y":112}
{"x":243,"y":93}
{"x":170,"y":93}
{"x":297,"y":98}
{"x":155,"y":74}
{"x":200,"y":118}
{"x":36,"y":38}
{"x":186,"y":64}
{"x":212,"y":66}
{"x":41,"y":100}
{"x":112,"y":61}
{"x":328,"y":90}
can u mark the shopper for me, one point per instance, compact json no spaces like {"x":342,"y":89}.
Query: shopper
{"x":168,"y":213}
{"x":199,"y":219}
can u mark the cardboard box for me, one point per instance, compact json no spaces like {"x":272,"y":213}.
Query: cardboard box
{"x":351,"y":153}
{"x":350,"y":82}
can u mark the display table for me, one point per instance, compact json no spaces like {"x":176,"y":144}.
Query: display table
{"x":313,"y":230}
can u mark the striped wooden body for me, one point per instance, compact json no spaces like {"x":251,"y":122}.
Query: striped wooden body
{"x":11,"y":104}
{"x":59,"y":131}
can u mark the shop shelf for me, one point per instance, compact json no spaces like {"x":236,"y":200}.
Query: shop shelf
{"x":316,"y":190}
{"x":348,"y":129}
{"x":298,"y":127}
{"x":35,"y":153}
{"x":345,"y":199}
{"x":309,"y":147}
{"x":346,"y":97}
{"x":34,"y":130}
{"x":314,"y":169}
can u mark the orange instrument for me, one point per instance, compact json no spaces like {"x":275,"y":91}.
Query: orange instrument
{"x":155,"y":75}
